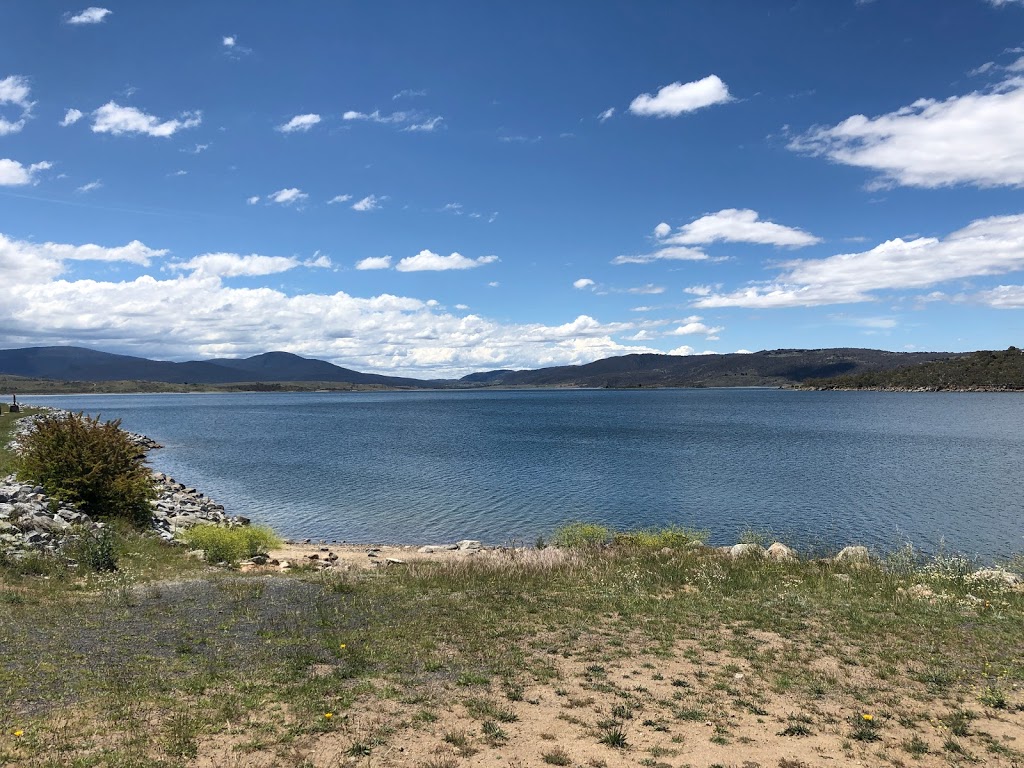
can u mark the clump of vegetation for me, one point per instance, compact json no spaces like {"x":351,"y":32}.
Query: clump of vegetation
{"x":229,"y":545}
{"x":89,"y":463}
{"x":93,"y":550}
{"x":581,"y":535}
{"x":673,"y":536}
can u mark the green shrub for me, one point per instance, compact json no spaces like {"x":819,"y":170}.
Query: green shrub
{"x":673,"y":536}
{"x":577,"y":535}
{"x":94,"y":465}
{"x":229,"y":545}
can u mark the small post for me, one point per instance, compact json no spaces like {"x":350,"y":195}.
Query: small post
{"x":15,"y":408}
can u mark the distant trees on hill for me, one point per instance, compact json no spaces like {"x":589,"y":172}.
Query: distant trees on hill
{"x":980,"y":370}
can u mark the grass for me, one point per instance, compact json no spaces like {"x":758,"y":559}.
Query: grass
{"x":8,"y":422}
{"x":230,"y":545}
{"x":156,"y":662}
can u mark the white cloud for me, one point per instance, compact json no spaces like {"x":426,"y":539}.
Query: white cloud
{"x":683,"y":351}
{"x":650,"y":288}
{"x":455,"y":208}
{"x":299,"y":123}
{"x":90,"y":187}
{"x":677,"y":98}
{"x":229,"y":41}
{"x":693,"y":325}
{"x":118,"y":120}
{"x":970,"y":139}
{"x":339,"y":199}
{"x":606,"y":115}
{"x":14,"y":174}
{"x":1001,"y":297}
{"x":377,"y":117}
{"x":374,"y":262}
{"x":662,"y":230}
{"x":672,"y":253}
{"x":426,"y":126}
{"x":15,"y":90}
{"x":179,"y":173}
{"x":368,"y":203}
{"x":583,"y":282}
{"x":196,"y":314}
{"x":252,"y":200}
{"x":235,"y":265}
{"x":288,"y":196}
{"x":734,"y":225}
{"x":408,"y":93}
{"x":494,"y":284}
{"x":428,"y":261}
{"x":985,"y":247}
{"x":71,"y":117}
{"x":91,"y":15}
{"x":198,"y":149}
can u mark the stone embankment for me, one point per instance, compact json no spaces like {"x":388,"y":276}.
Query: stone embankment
{"x":32,"y":521}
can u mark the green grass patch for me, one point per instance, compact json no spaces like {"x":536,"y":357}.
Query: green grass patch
{"x":229,"y":545}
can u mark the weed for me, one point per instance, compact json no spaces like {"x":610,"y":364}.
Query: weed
{"x":229,"y":545}
{"x":864,"y":728}
{"x":993,"y":697}
{"x":579,"y":535}
{"x":613,"y":736}
{"x":557,"y":756}
{"x":915,"y":745}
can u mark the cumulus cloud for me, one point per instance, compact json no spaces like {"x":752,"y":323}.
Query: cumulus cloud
{"x":15,"y":90}
{"x":235,"y":265}
{"x":678,"y":98}
{"x":694,"y":325}
{"x":195,"y":313}
{"x":735,"y":225}
{"x":71,"y":117}
{"x":374,"y":262}
{"x":990,"y":246}
{"x":252,"y":200}
{"x":339,"y":199}
{"x":24,"y":264}
{"x":91,"y":15}
{"x":288,"y":196}
{"x":117,"y":120}
{"x":14,"y":174}
{"x":428,"y":261}
{"x":299,"y":123}
{"x":970,"y":139}
{"x":229,"y":41}
{"x":583,"y":282}
{"x":368,"y":203}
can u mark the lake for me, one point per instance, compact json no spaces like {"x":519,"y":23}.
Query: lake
{"x":815,"y":469}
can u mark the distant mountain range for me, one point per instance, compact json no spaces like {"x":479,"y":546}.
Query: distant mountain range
{"x":782,"y":367}
{"x":990,"y":371}
{"x":78,"y":364}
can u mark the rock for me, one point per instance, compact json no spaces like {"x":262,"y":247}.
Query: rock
{"x":259,"y":559}
{"x":997,"y":576}
{"x":779,"y":551}
{"x":196,"y":554}
{"x":469,"y":544}
{"x":746,"y":550}
{"x":429,"y":549}
{"x":394,"y":561}
{"x":853,"y":556}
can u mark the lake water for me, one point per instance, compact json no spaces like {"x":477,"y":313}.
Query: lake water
{"x":816,"y":469}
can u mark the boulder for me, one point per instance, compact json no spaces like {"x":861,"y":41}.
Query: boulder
{"x":746,"y":550}
{"x":853,"y":556}
{"x":779,"y":551}
{"x":469,"y":544}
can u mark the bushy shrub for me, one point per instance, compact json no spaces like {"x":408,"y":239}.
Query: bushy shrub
{"x":94,"y":465}
{"x":229,"y":545}
{"x":577,"y":535}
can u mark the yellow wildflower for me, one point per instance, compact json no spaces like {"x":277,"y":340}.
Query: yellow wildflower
{"x":19,"y":733}
{"x":342,"y":646}
{"x":868,"y":718}
{"x":328,"y":715}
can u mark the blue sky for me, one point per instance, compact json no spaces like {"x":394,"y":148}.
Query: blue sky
{"x":436,"y":188}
